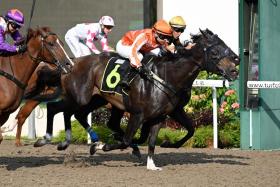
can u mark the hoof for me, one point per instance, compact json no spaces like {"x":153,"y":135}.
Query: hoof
{"x":18,"y":144}
{"x":92,"y":149}
{"x":136,"y":153}
{"x":106,"y":147}
{"x":41,"y":142}
{"x":96,"y":146}
{"x":62,"y":145}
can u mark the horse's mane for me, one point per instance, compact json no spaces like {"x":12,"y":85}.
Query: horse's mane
{"x":35,"y":32}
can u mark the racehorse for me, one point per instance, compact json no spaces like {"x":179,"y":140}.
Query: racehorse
{"x":42,"y":45}
{"x":151,"y":98}
{"x":44,"y":87}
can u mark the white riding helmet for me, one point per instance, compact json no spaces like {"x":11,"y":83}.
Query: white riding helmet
{"x":107,"y":20}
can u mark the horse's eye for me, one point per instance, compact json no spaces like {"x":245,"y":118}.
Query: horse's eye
{"x":215,"y":53}
{"x":51,"y":43}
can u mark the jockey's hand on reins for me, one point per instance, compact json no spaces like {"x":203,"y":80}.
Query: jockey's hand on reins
{"x":21,"y":48}
{"x":144,"y":71}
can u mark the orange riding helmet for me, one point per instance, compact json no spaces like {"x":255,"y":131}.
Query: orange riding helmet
{"x":163,"y":28}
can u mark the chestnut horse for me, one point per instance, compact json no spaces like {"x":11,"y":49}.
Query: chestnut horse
{"x":39,"y":82}
{"x":42,"y":45}
{"x":150,"y":99}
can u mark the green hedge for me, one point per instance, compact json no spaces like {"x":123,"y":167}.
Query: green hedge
{"x":203,"y":137}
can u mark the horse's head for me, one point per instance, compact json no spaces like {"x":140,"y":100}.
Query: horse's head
{"x":218,"y":57}
{"x":44,"y":45}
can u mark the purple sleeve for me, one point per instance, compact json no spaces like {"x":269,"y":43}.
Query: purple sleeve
{"x":16,"y":36}
{"x":4,"y":46}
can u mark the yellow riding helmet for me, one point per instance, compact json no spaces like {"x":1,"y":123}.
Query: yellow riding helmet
{"x":178,"y":22}
{"x":162,"y":27}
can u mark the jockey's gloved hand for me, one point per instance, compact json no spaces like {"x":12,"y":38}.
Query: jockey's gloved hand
{"x":21,"y":48}
{"x":144,"y":71}
{"x":21,"y":41}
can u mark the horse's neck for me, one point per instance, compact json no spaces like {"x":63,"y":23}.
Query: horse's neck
{"x":22,"y":67}
{"x":182,"y":73}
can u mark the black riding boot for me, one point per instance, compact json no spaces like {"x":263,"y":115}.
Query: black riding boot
{"x":127,"y":78}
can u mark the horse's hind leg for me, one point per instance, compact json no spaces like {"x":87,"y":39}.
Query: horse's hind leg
{"x":1,"y":136}
{"x":52,"y":109}
{"x":22,"y":115}
{"x":181,"y":117}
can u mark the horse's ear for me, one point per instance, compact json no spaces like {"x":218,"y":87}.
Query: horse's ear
{"x":42,"y":31}
{"x":209,"y":32}
{"x":30,"y":33}
{"x":203,"y":33}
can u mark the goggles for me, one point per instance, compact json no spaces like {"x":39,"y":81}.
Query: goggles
{"x":164,"y":37}
{"x":109,"y":27}
{"x":176,"y":29}
{"x":15,"y":26}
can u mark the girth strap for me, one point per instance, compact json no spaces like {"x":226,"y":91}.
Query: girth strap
{"x":12,"y":78}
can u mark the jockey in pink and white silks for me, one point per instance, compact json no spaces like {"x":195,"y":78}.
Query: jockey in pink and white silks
{"x":80,"y":38}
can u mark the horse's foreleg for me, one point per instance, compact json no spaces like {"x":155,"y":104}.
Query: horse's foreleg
{"x":152,"y":142}
{"x":67,"y":125}
{"x":3,"y":118}
{"x":181,"y":117}
{"x":133,"y":124}
{"x":115,"y":122}
{"x":22,"y":115}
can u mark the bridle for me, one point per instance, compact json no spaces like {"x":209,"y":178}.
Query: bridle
{"x":44,"y":44}
{"x":48,"y":46}
{"x":211,"y":63}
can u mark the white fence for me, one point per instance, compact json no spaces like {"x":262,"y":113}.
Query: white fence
{"x":39,"y":118}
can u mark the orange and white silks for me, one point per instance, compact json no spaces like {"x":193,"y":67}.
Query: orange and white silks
{"x":134,"y":42}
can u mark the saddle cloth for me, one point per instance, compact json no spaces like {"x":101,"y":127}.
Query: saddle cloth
{"x":114,"y":72}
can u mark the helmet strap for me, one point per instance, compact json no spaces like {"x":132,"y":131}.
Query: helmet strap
{"x":8,"y":26}
{"x":102,"y":28}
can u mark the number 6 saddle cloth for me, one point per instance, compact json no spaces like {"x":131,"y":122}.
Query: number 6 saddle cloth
{"x":114,"y":72}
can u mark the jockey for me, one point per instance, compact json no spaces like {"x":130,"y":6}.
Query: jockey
{"x":10,"y":24}
{"x":178,"y":26}
{"x":134,"y":43}
{"x":80,"y":38}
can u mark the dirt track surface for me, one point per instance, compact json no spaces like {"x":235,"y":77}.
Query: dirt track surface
{"x":45,"y":166}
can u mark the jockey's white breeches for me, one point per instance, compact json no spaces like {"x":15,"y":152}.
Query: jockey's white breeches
{"x":126,"y":52}
{"x":76,"y":46}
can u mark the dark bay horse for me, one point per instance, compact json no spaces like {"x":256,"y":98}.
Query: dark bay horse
{"x":150,"y":100}
{"x":42,"y":45}
{"x":44,"y":86}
